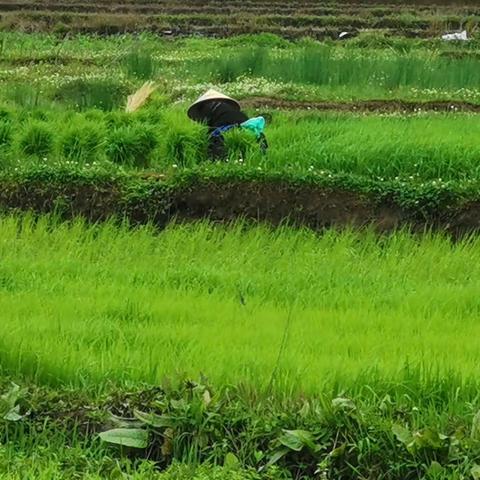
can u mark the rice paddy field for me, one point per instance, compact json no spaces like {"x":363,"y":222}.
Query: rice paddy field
{"x":308,"y":313}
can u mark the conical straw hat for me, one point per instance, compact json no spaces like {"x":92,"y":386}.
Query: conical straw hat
{"x":209,"y":95}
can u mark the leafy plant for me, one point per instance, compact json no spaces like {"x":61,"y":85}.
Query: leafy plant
{"x":240,"y":144}
{"x":126,"y":437}
{"x":9,"y":407}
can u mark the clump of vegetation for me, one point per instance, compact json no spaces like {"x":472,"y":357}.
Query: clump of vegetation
{"x":36,"y":139}
{"x":118,"y":118}
{"x":81,"y":141}
{"x":184,"y":143}
{"x":246,"y":62}
{"x":24,"y":95}
{"x":240,"y":144}
{"x":140,"y":64}
{"x":5,"y":133}
{"x":84,"y":94}
{"x":182,"y":148}
{"x":132,"y":145}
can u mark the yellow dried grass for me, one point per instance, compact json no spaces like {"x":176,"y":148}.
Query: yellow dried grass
{"x":137,"y":99}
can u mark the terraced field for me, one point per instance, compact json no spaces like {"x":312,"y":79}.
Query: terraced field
{"x":310,"y":313}
{"x":215,"y":18}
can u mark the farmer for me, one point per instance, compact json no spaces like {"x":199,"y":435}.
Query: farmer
{"x":221,"y":113}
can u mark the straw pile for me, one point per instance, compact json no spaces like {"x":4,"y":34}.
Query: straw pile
{"x":137,"y":99}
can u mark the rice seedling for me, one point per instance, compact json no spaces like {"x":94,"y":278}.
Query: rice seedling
{"x":5,"y":133}
{"x":324,"y":65}
{"x":82,"y":141}
{"x":140,"y":64}
{"x":184,"y":144}
{"x":36,"y":139}
{"x":82,"y":94}
{"x":216,"y":300}
{"x":24,"y":95}
{"x":132,"y":145}
{"x":240,"y":145}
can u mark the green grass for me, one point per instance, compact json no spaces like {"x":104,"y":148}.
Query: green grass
{"x":88,"y":304}
{"x":415,"y":149}
{"x":279,"y":320}
{"x":83,"y":70}
{"x":327,"y":65}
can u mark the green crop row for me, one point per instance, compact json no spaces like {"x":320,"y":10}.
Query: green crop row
{"x":323,"y":65}
{"x":337,"y":370}
{"x":87,"y":71}
{"x":413,"y":149}
{"x":88,"y":304}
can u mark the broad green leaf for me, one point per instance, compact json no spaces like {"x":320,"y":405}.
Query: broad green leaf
{"x":339,"y":451}
{"x":258,"y":455}
{"x":179,"y":404}
{"x":475,"y":472}
{"x":13,"y":415}
{"x":476,"y":426}
{"x":121,"y":422}
{"x":231,"y":461}
{"x":207,"y":398}
{"x":276,"y":456}
{"x":428,"y":438}
{"x":8,"y":400}
{"x":435,"y":470}
{"x":298,"y":439}
{"x":403,"y":435}
{"x":341,"y":403}
{"x":12,"y":395}
{"x":127,"y":437}
{"x":154,"y":420}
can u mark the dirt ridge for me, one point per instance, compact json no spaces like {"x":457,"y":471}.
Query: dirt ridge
{"x":274,"y":203}
{"x":380,"y":106}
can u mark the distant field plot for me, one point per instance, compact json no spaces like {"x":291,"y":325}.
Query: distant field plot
{"x":214,"y":18}
{"x":39,"y":69}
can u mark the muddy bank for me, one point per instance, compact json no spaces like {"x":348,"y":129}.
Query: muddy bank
{"x":373,"y":106}
{"x":274,"y":203}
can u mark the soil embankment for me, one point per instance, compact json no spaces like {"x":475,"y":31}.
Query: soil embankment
{"x":373,"y":106}
{"x":271,"y":202}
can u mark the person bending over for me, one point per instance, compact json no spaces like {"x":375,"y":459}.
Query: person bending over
{"x":221,"y":113}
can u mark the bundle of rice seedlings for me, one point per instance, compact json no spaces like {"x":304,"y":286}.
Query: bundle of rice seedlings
{"x":36,"y":139}
{"x":137,"y":99}
{"x":140,"y":64}
{"x":81,"y":141}
{"x":132,"y":145}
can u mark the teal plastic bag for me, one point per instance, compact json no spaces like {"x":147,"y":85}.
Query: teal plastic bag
{"x":255,"y":125}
